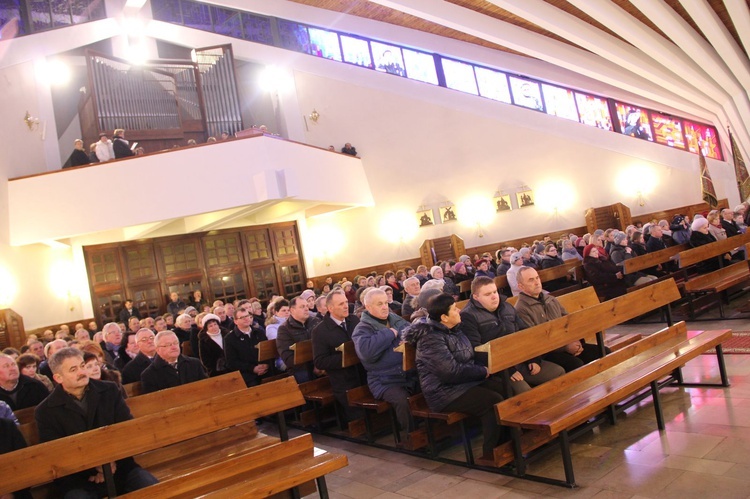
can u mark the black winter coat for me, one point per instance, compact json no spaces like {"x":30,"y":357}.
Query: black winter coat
{"x":211,"y":355}
{"x":160,"y":375}
{"x":699,"y":239}
{"x":290,"y":333}
{"x":59,"y":416}
{"x":326,"y":336}
{"x":445,"y":362}
{"x":29,"y":392}
{"x":602,"y":274}
{"x":133,"y":369}
{"x":480,"y":325}
{"x":242,"y":355}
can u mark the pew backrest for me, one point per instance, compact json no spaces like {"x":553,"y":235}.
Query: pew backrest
{"x":560,"y":271}
{"x":348,"y":354}
{"x":302,"y":352}
{"x":649,"y":260}
{"x":267,"y":350}
{"x":520,"y":346}
{"x":692,"y":256}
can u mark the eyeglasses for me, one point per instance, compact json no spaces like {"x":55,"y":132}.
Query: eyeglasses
{"x":242,"y":317}
{"x":169,"y":345}
{"x":146,"y":338}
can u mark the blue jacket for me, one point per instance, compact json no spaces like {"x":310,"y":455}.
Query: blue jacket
{"x":374,"y":343}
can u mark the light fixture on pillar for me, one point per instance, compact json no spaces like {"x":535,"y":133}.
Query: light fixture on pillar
{"x":31,"y":122}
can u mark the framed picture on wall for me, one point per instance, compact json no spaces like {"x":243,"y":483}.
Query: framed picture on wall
{"x":525,"y":198}
{"x":448,"y":214}
{"x":425,"y":218}
{"x":502,"y":203}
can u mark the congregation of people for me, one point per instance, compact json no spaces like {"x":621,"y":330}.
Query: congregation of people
{"x":75,"y":378}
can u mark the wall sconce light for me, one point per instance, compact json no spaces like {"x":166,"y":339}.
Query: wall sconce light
{"x":31,"y":122}
{"x":314,"y":116}
{"x":640,"y":199}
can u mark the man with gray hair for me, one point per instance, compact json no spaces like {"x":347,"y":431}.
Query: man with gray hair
{"x":112,"y":335}
{"x":49,"y":350}
{"x":170,"y":368}
{"x":412,"y":287}
{"x":79,"y":404}
{"x":375,"y":337}
{"x":728,"y":223}
{"x":146,"y":354}
{"x":17,"y":390}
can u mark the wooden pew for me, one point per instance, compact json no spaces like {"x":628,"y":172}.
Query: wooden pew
{"x":363,"y":398}
{"x":558,"y":406}
{"x":316,"y":391}
{"x":464,"y":289}
{"x":151,"y":403}
{"x":650,"y":260}
{"x":718,"y":282}
{"x":282,"y":470}
{"x":419,"y":409}
{"x":562,"y":271}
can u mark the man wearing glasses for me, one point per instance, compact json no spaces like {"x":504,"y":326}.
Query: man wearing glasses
{"x":170,"y":368}
{"x":146,"y":353}
{"x":240,"y":351}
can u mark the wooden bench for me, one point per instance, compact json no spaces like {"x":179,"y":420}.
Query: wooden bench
{"x":284,"y":465}
{"x":151,"y":403}
{"x":556,"y":408}
{"x":318,"y":392}
{"x":363,"y":398}
{"x":267,"y":352}
{"x":718,"y":282}
{"x":650,"y":260}
{"x":571,"y":267}
{"x":419,"y":409}
{"x":464,"y":290}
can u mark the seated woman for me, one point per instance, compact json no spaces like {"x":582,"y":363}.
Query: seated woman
{"x":450,"y":379}
{"x":637,"y":244}
{"x":714,"y":225}
{"x":603,"y":274}
{"x":28,"y":364}
{"x":96,"y":369}
{"x":211,"y":345}
{"x":620,"y":252}
{"x":701,"y":236}
{"x":549,"y":260}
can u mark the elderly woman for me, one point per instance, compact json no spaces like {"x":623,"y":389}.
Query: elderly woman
{"x":549,"y":260}
{"x":28,"y":364}
{"x":699,"y":236}
{"x":603,"y":273}
{"x":392,"y":281}
{"x":459,"y":273}
{"x":516,"y":262}
{"x":437,"y":273}
{"x":183,"y":326}
{"x":450,"y":378}
{"x":714,"y":225}
{"x":621,"y":252}
{"x":569,"y":252}
{"x":211,"y":345}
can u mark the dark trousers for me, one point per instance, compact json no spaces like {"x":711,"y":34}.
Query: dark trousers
{"x":137,"y":478}
{"x":480,"y":401}
{"x":570,"y":362}
{"x":398,"y":396}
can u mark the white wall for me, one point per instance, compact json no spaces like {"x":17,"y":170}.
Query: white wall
{"x":444,"y":146}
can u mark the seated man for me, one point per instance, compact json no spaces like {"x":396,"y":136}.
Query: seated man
{"x":535,"y":306}
{"x":146,"y":353}
{"x":298,"y":327}
{"x":336,"y":328}
{"x":412,"y":285}
{"x":240,"y":351}
{"x":170,"y":368}
{"x":486,"y":317}
{"x":375,"y":337}
{"x":79,"y":404}
{"x":112,"y":337}
{"x":17,"y":390}
{"x":49,"y":350}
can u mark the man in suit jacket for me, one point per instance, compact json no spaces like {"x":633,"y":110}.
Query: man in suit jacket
{"x":128,"y":311}
{"x":336,"y":328}
{"x":170,"y":368}
{"x":79,"y":404}
{"x":146,"y":354}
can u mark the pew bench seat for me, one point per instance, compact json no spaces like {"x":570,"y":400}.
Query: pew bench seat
{"x":419,"y":409}
{"x":716,"y":283}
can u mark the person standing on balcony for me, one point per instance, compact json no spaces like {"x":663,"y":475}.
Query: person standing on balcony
{"x":120,"y":146}
{"x":104,"y":150}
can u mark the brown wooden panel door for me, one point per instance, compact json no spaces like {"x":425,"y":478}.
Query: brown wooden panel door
{"x":148,"y":299}
{"x":107,"y":305}
{"x":291,"y":279}
{"x":104,"y":267}
{"x":139,"y":262}
{"x":258,"y":247}
{"x":222,"y":250}
{"x":264,"y":282}
{"x":228,"y":287}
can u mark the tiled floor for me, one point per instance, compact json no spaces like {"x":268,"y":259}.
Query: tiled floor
{"x":704,"y":453}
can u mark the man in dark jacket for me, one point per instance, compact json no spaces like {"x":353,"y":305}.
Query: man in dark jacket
{"x":146,"y":354}
{"x":128,"y":311}
{"x":175,"y":305}
{"x":534,"y":307}
{"x":239,"y":347}
{"x":298,"y":327}
{"x":336,"y":328}
{"x":17,"y":390}
{"x":169,"y":368}
{"x":486,"y":317}
{"x":120,"y":145}
{"x":78,"y":404}
{"x":728,"y":223}
{"x":375,"y":337}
